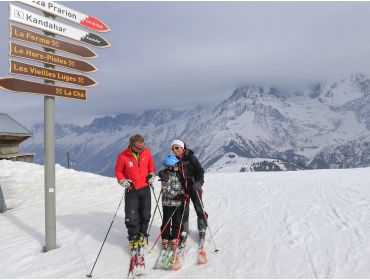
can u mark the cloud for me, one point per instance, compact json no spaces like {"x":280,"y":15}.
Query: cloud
{"x":180,"y":54}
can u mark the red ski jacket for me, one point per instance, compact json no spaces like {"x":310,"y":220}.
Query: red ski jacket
{"x":127,"y":167}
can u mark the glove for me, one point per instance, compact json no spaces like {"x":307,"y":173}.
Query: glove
{"x":185,"y":196}
{"x":164,"y":176}
{"x":125,"y":183}
{"x":150,"y":178}
{"x":196,"y":187}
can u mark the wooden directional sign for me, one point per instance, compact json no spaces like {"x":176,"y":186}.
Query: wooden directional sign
{"x":49,"y":58}
{"x":28,"y":36}
{"x":18,"y":85}
{"x":21,"y":68}
{"x":25,"y":17}
{"x":69,"y":14}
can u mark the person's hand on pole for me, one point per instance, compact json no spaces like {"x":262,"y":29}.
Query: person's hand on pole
{"x":150,"y":178}
{"x":125,"y":183}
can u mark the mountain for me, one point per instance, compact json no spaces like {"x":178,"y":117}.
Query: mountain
{"x":316,"y":127}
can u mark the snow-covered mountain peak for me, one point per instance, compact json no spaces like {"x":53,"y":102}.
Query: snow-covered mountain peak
{"x":338,"y":93}
{"x":252,"y":94}
{"x":254,"y":122}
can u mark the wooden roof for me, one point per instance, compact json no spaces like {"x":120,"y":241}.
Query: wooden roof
{"x":10,"y":127}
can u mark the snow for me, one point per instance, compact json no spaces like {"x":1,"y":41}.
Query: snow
{"x":231,"y":163}
{"x":303,"y":224}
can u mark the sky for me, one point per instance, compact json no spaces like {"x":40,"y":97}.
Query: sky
{"x":177,"y":55}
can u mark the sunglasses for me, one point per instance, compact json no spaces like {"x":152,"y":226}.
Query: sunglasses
{"x":176,"y":148}
{"x":139,"y":149}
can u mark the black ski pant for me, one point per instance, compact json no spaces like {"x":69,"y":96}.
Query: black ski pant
{"x":137,"y":211}
{"x":201,"y":221}
{"x":179,"y":216}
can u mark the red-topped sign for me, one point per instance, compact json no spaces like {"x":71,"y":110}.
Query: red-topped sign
{"x":23,"y":16}
{"x":69,"y":14}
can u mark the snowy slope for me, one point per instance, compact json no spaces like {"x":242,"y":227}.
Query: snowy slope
{"x":304,"y":224}
{"x":231,"y":162}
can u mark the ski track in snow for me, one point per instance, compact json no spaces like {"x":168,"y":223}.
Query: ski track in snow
{"x":303,"y":224}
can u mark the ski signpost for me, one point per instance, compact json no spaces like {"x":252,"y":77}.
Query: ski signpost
{"x":18,"y":85}
{"x":26,"y":69}
{"x":28,"y":36}
{"x":23,"y":16}
{"x":47,"y":56}
{"x":21,"y":51}
{"x":59,"y":10}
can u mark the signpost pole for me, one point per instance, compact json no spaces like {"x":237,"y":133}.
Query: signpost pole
{"x":49,"y":164}
{"x":3,"y":207}
{"x":48,"y":88}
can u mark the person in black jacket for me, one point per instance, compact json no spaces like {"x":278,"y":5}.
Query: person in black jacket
{"x":192,"y":175}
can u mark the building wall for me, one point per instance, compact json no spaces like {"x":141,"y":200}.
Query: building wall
{"x":24,"y":158}
{"x":9,"y":148}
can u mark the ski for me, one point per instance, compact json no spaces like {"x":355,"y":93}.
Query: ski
{"x":140,"y":262}
{"x":137,"y":262}
{"x":167,"y":262}
{"x":177,"y":262}
{"x":132,"y":268}
{"x":202,"y":256}
{"x":165,"y":259}
{"x":161,"y":258}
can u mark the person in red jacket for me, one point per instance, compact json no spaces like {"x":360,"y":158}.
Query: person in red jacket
{"x":135,"y":171}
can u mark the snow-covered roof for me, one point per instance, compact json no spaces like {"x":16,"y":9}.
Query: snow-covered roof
{"x":9,"y":126}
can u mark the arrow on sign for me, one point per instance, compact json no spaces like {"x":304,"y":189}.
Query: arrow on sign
{"x":26,"y":69}
{"x":18,"y":85}
{"x":69,"y":14}
{"x":18,"y":50}
{"x":28,"y":36}
{"x":25,"y":17}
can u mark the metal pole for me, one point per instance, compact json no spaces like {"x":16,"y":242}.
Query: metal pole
{"x":101,"y":248}
{"x":49,"y":163}
{"x":205,"y":217}
{"x":3,"y":207}
{"x":156,"y":200}
{"x":68,"y":160}
{"x":155,"y":210}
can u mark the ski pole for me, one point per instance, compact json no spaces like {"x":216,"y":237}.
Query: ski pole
{"x":160,"y":234}
{"x":157,"y":201}
{"x":119,"y":205}
{"x":179,"y":231}
{"x":205,"y":217}
{"x":157,"y":206}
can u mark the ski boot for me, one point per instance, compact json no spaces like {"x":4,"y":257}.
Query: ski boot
{"x":165,"y":244}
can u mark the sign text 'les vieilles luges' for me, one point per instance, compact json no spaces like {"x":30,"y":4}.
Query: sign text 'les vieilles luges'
{"x":30,"y":70}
